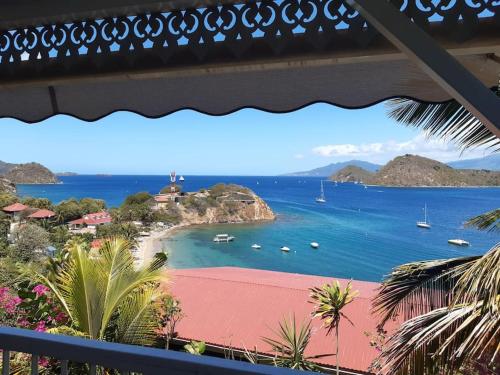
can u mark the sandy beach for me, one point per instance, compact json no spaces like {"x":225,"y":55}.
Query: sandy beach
{"x":148,"y":246}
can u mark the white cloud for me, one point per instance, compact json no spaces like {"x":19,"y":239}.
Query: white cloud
{"x":383,"y":152}
{"x":298,"y":156}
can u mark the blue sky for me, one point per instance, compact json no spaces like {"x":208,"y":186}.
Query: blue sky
{"x":248,"y":142}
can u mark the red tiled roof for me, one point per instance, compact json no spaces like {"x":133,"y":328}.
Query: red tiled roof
{"x":93,"y":219}
{"x":236,"y":307}
{"x":16,"y":207}
{"x":42,"y":214}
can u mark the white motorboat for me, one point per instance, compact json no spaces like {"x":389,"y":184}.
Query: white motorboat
{"x":424,"y":224}
{"x":458,"y":242}
{"x":321,"y":198}
{"x":285,"y":249}
{"x":314,"y":245}
{"x":223,"y":238}
{"x":256,"y":246}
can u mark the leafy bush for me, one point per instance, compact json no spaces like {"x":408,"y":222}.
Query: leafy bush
{"x":137,"y":198}
{"x":127,"y":231}
{"x":31,"y":242}
{"x":6,"y":199}
{"x":38,"y":203}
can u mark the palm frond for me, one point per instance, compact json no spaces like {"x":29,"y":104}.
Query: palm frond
{"x":480,"y":282}
{"x":290,"y":345}
{"x":489,"y":221}
{"x":136,"y":319}
{"x":449,"y":120}
{"x":416,"y":288}
{"x":442,"y":339}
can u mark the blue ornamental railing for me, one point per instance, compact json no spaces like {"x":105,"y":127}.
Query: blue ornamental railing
{"x":127,"y":359}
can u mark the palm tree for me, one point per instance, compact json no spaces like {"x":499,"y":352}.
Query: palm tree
{"x":447,"y":120}
{"x":105,"y":297}
{"x":453,"y":312}
{"x":290,"y":345}
{"x":330,"y":300}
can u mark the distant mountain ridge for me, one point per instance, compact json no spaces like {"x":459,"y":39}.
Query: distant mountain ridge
{"x":490,"y":162}
{"x":332,"y":168}
{"x":413,"y":170}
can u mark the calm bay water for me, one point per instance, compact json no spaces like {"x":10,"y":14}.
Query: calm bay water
{"x":362,"y":233}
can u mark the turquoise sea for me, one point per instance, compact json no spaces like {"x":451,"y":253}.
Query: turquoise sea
{"x":362,"y":233}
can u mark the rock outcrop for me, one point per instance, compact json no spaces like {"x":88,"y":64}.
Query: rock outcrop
{"x":6,"y":186}
{"x":414,"y":170}
{"x":224,"y":204}
{"x":31,"y":173}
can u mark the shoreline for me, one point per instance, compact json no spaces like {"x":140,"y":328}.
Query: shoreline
{"x":147,"y":247}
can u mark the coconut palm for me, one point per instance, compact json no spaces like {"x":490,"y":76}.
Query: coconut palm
{"x":290,"y":345}
{"x":330,"y":300}
{"x":453,"y":312}
{"x":105,"y":296}
{"x":448,"y":120}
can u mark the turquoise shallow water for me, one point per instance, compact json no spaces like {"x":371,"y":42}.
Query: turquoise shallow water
{"x":363,"y":233}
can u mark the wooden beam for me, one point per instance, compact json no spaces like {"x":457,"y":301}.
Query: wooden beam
{"x":434,"y":60}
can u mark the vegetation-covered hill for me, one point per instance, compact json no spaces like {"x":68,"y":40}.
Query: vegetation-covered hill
{"x":352,"y":173}
{"x":31,"y":173}
{"x":414,"y":170}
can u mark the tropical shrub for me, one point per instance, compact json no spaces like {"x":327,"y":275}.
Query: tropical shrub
{"x":105,"y":297}
{"x":37,"y":203}
{"x":31,"y":242}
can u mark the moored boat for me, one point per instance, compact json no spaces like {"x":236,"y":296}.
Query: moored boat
{"x":256,"y":246}
{"x":285,"y":249}
{"x":223,"y":238}
{"x":424,"y":224}
{"x":459,"y":242}
{"x":314,"y":245}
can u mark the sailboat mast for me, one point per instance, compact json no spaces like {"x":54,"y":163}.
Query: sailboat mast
{"x":425,"y":213}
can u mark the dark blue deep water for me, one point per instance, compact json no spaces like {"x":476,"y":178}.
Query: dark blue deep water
{"x":362,"y":233}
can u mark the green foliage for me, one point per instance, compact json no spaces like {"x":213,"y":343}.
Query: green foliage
{"x":6,"y":199}
{"x":489,"y":221}
{"x":106,"y":297}
{"x":68,"y":210}
{"x":170,"y":313}
{"x":330,"y":300}
{"x":127,"y":231}
{"x":290,"y":345}
{"x":31,"y":242}
{"x":73,"y":209}
{"x":58,"y":236}
{"x":223,"y":189}
{"x":198,"y":204}
{"x":138,"y":198}
{"x":453,"y":312}
{"x":91,"y":205}
{"x":169,"y":215}
{"x":38,"y":203}
{"x":195,"y":347}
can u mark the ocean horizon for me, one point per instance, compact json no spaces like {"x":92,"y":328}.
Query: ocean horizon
{"x":363,"y":233}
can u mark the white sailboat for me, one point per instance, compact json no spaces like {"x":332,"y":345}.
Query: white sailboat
{"x":321,"y":198}
{"x":181,"y":178}
{"x":424,"y":224}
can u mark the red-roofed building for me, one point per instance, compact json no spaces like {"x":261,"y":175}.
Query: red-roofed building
{"x":236,"y":307}
{"x":89,"y":222}
{"x":42,"y":214}
{"x":16,"y":207}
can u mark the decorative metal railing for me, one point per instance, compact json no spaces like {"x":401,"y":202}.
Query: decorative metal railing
{"x":214,"y":34}
{"x":125,"y":358}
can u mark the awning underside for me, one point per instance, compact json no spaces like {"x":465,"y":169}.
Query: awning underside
{"x":276,"y":56}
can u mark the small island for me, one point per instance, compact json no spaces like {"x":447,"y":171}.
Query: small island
{"x":414,"y":171}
